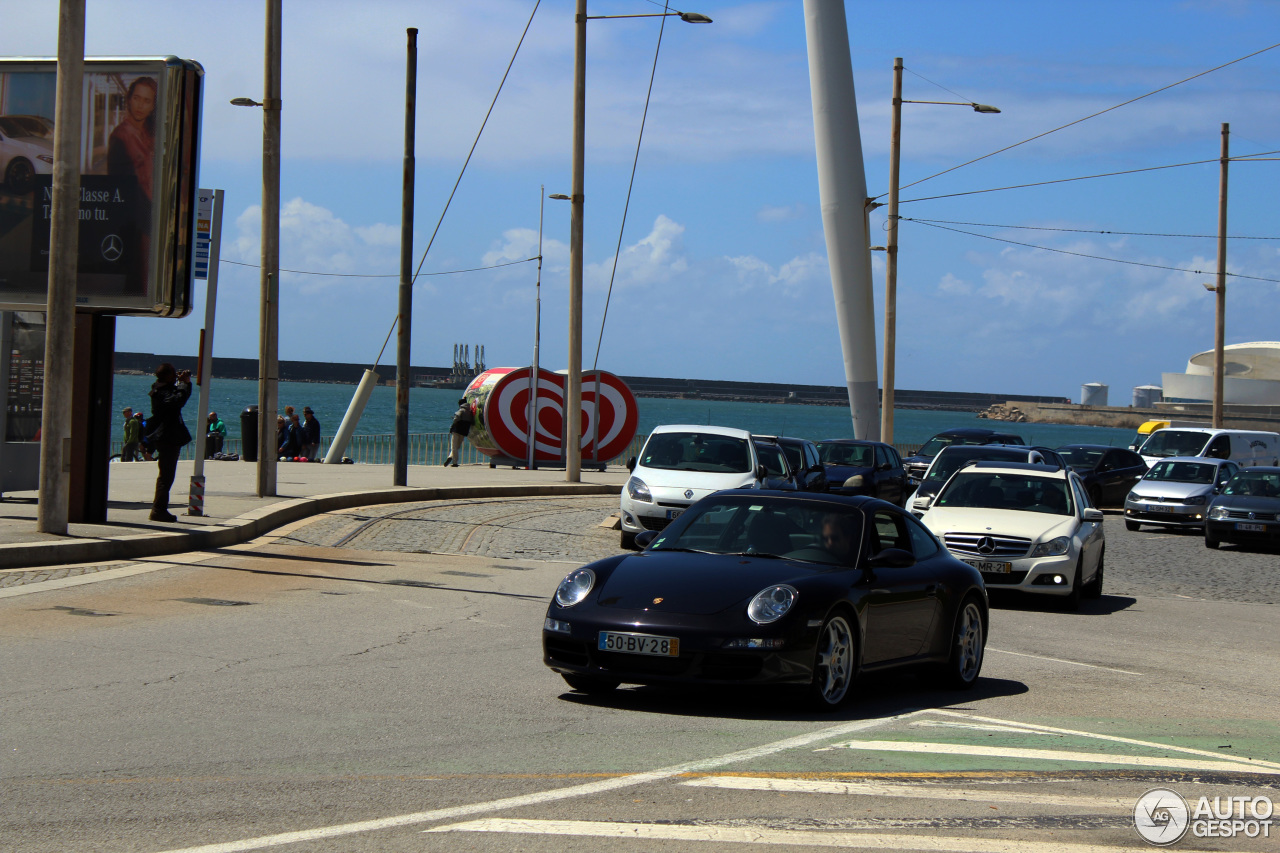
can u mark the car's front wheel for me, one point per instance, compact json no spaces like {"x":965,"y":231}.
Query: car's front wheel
{"x":1072,"y":601}
{"x":1094,"y":587}
{"x":834,"y":664}
{"x":1131,"y":525}
{"x":968,"y":646}
{"x":590,"y":684}
{"x":1211,"y":541}
{"x":20,"y":176}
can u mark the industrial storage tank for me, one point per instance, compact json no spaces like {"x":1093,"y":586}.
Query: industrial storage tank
{"x":1146,"y":396}
{"x":1093,"y":394}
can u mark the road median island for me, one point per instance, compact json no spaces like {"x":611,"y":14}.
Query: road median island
{"x":250,"y":525}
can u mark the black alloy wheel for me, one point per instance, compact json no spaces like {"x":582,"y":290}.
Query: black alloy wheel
{"x":20,"y":176}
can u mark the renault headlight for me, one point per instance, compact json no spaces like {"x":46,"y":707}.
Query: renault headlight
{"x":1053,"y":548}
{"x":638,"y":490}
{"x":772,"y":604}
{"x":1218,"y":513}
{"x":575,"y":587}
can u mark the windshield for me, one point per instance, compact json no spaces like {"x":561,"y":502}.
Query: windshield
{"x":1082,"y":458}
{"x":770,"y":456}
{"x":854,"y":455}
{"x":798,"y":530}
{"x":696,"y":451}
{"x":1256,"y":483}
{"x":1182,"y":472}
{"x":1175,"y":442}
{"x":1007,"y":491}
{"x":952,"y":459}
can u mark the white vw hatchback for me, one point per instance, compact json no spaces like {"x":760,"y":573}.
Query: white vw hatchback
{"x":680,"y":465}
{"x":1025,"y":527}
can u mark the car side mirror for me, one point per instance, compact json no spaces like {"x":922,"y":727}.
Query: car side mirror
{"x":761,"y":472}
{"x":631,"y":464}
{"x":1092,"y":514}
{"x":645,"y":537}
{"x":892,"y":558}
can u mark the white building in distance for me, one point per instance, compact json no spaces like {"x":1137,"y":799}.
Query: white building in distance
{"x":1251,"y":376}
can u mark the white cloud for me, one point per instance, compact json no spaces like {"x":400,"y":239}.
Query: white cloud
{"x":780,"y":214}
{"x":951,"y":284}
{"x":791,"y":277}
{"x":656,"y":258}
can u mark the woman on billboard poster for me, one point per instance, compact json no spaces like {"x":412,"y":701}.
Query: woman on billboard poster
{"x":131,"y":154}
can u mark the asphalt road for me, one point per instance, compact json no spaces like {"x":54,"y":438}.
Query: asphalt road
{"x":389,"y":695}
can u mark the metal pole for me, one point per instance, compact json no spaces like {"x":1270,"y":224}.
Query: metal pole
{"x":537,"y":335}
{"x":269,"y":330}
{"x":404,"y":326}
{"x":1219,"y":326}
{"x":891,"y":263}
{"x":573,"y":397}
{"x":64,"y":252}
{"x":205,"y":379}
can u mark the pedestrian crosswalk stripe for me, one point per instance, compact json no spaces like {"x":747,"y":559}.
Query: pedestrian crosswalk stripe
{"x":992,"y":794}
{"x":1014,"y":752}
{"x":792,"y":837}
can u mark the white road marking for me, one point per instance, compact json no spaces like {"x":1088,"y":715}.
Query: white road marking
{"x":552,"y":795}
{"x":982,"y":727}
{"x":993,"y":794}
{"x":1253,"y":762}
{"x":1047,"y":755}
{"x":803,"y":838}
{"x":1062,"y":660}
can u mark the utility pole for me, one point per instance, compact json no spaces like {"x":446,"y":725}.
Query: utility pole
{"x":1219,"y":326}
{"x":269,"y":328}
{"x":891,"y":263}
{"x":573,"y":397}
{"x":404,"y":326}
{"x":64,"y":253}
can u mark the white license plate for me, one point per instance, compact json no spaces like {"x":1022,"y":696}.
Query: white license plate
{"x":1253,"y":528}
{"x":990,"y":567}
{"x":674,"y":513}
{"x":639,"y":644}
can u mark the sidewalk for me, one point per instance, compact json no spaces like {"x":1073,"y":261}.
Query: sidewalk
{"x":233,"y":513}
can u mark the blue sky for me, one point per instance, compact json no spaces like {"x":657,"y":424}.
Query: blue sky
{"x":723,"y":271}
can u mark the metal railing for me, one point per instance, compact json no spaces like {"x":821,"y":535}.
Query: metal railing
{"x":425,"y":448}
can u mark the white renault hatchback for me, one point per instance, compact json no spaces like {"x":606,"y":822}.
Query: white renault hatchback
{"x":1025,"y":527}
{"x":679,"y":465}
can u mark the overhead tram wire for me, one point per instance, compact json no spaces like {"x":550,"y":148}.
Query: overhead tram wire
{"x":1082,"y":178}
{"x":383,"y":275}
{"x":463,"y":171}
{"x":1081,"y":230}
{"x":1093,"y":257}
{"x":1086,"y":118}
{"x":595,"y":364}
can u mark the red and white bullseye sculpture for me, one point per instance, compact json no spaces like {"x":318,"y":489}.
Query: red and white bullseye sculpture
{"x":500,"y":399}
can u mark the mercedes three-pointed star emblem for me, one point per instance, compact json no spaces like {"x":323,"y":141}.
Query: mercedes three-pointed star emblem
{"x":112,"y":247}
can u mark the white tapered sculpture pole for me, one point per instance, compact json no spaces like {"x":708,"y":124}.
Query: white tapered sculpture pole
{"x":842,"y":188}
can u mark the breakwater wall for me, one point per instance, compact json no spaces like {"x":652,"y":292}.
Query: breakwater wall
{"x":1128,"y":417}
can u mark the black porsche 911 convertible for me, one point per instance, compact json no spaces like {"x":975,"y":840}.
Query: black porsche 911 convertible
{"x":766,"y":587}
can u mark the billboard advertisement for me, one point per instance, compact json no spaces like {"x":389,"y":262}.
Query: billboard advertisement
{"x":139,"y":146}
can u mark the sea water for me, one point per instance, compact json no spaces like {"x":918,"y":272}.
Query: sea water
{"x":431,"y":410}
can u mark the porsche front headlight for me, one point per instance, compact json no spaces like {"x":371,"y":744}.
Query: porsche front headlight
{"x":575,"y":587}
{"x":772,"y":604}
{"x":1053,"y":548}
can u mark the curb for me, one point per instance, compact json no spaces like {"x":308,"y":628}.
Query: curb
{"x":255,"y":523}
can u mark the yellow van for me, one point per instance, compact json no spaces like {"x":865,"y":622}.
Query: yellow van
{"x":1144,"y":432}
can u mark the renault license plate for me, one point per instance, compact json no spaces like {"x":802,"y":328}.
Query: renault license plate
{"x":990,"y":567}
{"x":674,"y":513}
{"x":639,"y":644}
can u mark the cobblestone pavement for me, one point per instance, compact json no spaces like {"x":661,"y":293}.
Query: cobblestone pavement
{"x":20,"y":577}
{"x":1145,"y":562}
{"x":551,"y":528}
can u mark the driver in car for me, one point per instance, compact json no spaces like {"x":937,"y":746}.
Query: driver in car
{"x":837,"y":536}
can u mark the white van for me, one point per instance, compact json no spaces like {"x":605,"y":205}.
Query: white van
{"x":1245,"y":447}
{"x":679,"y":465}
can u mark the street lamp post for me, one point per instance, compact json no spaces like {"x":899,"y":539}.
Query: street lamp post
{"x":573,"y":394}
{"x":891,"y":245}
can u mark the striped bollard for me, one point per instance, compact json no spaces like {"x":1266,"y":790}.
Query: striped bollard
{"x":195,"y":501}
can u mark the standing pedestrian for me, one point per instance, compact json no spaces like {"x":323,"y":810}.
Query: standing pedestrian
{"x":286,"y":439}
{"x":311,"y":430}
{"x":458,"y":431}
{"x":132,"y":436}
{"x":166,"y":433}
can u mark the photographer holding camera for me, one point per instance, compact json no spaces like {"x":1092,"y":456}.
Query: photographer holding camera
{"x":167,"y":434}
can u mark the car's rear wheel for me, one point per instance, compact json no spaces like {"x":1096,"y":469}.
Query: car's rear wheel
{"x":1131,"y":525}
{"x":628,"y":541}
{"x":20,"y":176}
{"x":968,"y":646}
{"x":590,"y":684}
{"x":1094,"y":587}
{"x":834,"y":663}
